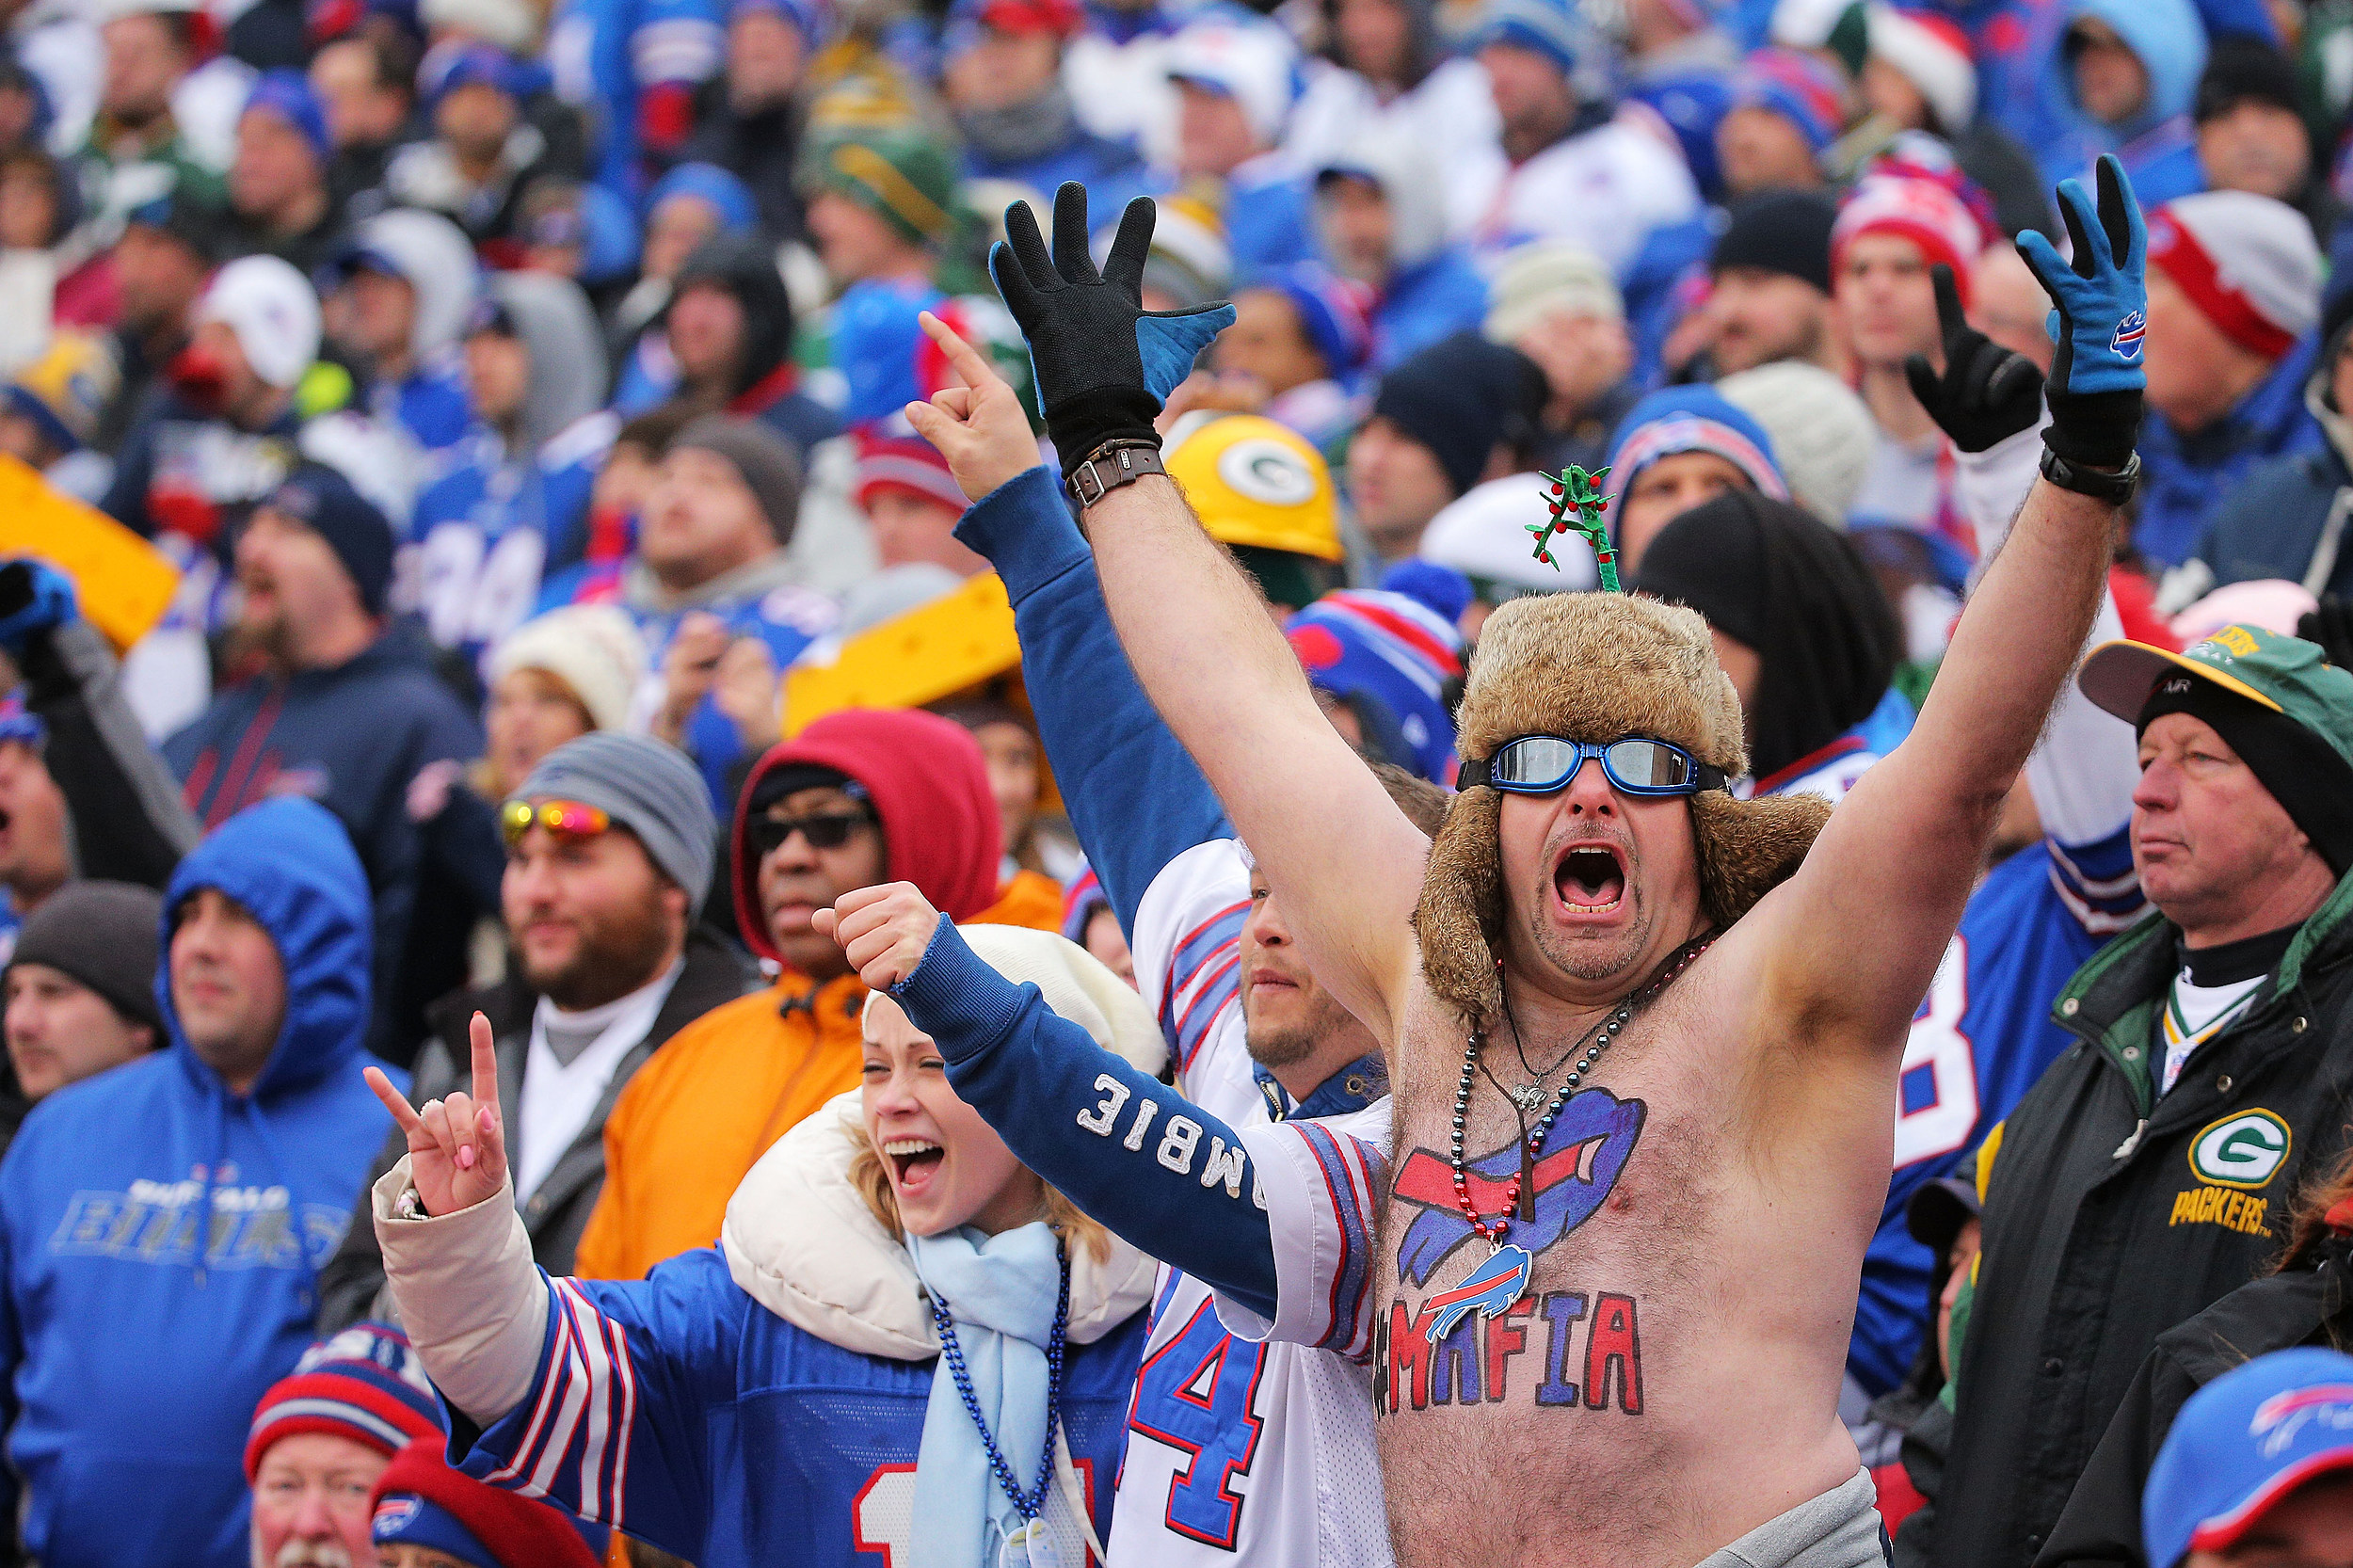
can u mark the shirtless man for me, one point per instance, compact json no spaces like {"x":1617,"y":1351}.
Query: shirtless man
{"x":1657,"y":1372}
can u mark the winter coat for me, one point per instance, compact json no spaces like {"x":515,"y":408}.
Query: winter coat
{"x":2186,"y":479}
{"x":131,"y":1364}
{"x":2101,"y":1525}
{"x":557,"y":1210}
{"x":2157,"y":145}
{"x":2287,"y":516}
{"x":763,"y":1400}
{"x":298,"y":736}
{"x":2112,"y":1215}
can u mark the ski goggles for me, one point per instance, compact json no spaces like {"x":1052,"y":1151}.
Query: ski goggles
{"x":824,"y":830}
{"x":1540,"y":765}
{"x":566,"y":819}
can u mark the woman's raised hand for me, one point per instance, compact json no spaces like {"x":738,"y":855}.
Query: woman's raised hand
{"x":456,"y":1146}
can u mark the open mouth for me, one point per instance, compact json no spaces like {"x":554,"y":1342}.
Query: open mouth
{"x":1589,"y":879}
{"x":913,"y":1162}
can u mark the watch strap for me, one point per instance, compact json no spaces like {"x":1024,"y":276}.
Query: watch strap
{"x":2114,"y":489}
{"x":1110,"y":466}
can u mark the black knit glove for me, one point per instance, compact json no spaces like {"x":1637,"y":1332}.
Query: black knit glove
{"x":1104,"y":362}
{"x":1988,"y":394}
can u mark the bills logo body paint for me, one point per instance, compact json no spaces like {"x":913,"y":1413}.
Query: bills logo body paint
{"x":1492,"y":1289}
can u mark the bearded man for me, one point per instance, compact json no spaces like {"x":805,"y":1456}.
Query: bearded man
{"x":609,"y":850}
{"x":1644,"y":1036}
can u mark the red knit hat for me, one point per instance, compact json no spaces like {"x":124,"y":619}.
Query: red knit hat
{"x":366,"y":1385}
{"x":906,"y":463}
{"x":1923,"y":210}
{"x":419,"y":1488}
{"x":930,"y":789}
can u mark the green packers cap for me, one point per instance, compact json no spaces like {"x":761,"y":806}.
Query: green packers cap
{"x":2286,"y":675}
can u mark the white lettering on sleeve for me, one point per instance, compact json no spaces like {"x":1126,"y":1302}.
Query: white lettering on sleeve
{"x":1099,"y":1121}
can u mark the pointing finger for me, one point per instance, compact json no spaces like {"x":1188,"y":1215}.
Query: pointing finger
{"x":972,"y":368}
{"x":486,"y":1061}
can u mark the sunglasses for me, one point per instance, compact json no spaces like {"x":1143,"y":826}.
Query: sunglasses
{"x":1540,"y":765}
{"x":566,"y":819}
{"x":824,"y":830}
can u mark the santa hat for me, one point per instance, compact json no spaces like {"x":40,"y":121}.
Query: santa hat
{"x":1933,"y":55}
{"x":904,"y":463}
{"x":365,"y":1383}
{"x":2247,"y":262}
{"x":1924,"y":211}
{"x":420,"y":1500}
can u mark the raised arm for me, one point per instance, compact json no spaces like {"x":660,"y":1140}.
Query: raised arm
{"x":1196,"y":631}
{"x":1892,"y":870}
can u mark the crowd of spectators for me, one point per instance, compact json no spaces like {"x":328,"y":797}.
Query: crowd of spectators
{"x":517,"y":391}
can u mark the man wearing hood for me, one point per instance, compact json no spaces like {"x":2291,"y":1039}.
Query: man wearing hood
{"x":1380,"y":218}
{"x":165,"y":1223}
{"x":1002,"y":81}
{"x":343,"y":711}
{"x":2121,"y":78}
{"x":515,"y":506}
{"x":406,"y":287}
{"x":857,"y":797}
{"x":730,"y":331}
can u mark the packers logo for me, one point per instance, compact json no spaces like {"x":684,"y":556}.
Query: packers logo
{"x":1266,"y":472}
{"x":2244,"y":1149}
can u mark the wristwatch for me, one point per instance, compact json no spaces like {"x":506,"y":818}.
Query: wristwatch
{"x":1111,"y":465}
{"x":2114,"y":489}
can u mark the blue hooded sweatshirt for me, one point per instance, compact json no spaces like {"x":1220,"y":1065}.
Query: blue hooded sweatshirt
{"x":2157,"y":146}
{"x":132,"y":1365}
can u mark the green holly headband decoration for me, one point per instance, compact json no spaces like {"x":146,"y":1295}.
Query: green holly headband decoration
{"x":1577,"y":507}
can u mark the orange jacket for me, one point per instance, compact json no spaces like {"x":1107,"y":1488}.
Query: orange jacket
{"x":700,"y":1113}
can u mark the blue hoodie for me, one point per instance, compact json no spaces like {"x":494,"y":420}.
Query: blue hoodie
{"x":2159,"y":145}
{"x":132,"y":1366}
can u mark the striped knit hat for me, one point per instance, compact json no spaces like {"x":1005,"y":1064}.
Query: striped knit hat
{"x":1394,"y":651}
{"x":1796,"y":86}
{"x":1691,"y":419}
{"x":906,"y":463}
{"x":1919,"y":206}
{"x":365,"y":1383}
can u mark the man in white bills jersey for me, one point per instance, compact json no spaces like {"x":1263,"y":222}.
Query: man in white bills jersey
{"x":1236,"y":1449}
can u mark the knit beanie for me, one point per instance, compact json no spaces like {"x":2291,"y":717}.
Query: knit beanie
{"x":1334,"y":312}
{"x":644,"y":786}
{"x":1391,"y":647}
{"x":102,"y":934}
{"x":1691,"y":419}
{"x":1923,"y":210}
{"x":1931,"y":53}
{"x":366,"y":1384}
{"x":901,"y":175}
{"x":1253,"y":63}
{"x":1544,"y":27}
{"x":907,"y":463}
{"x":1823,"y":434}
{"x":288,"y":94}
{"x":2242,"y":70}
{"x":593,"y":648}
{"x":1459,"y":397}
{"x":323,"y":501}
{"x":1796,"y":86}
{"x":274,"y":313}
{"x":1545,"y":277}
{"x":2247,"y":262}
{"x":722,"y":191}
{"x":421,"y":1501}
{"x":765,"y":460}
{"x":1781,"y":232}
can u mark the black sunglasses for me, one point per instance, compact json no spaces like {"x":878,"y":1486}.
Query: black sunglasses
{"x":824,"y":830}
{"x":1540,"y":765}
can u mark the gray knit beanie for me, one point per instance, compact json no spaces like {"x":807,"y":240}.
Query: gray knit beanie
{"x":647,"y":787}
{"x":770,"y":467}
{"x":104,"y":934}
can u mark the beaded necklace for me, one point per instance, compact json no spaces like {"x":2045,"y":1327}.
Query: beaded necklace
{"x":1030,"y":1503}
{"x":1517,"y":1196}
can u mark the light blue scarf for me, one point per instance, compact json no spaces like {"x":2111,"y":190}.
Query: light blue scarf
{"x":1001,"y":1291}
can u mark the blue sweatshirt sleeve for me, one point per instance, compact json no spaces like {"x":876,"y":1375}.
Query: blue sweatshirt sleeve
{"x":1157,"y":1170}
{"x":1134,"y":794}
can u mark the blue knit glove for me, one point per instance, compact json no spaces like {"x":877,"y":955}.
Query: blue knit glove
{"x":1104,"y":363}
{"x":2100,"y":319}
{"x":35,"y":596}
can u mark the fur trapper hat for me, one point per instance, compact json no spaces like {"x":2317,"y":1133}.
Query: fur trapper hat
{"x":1594,"y":666}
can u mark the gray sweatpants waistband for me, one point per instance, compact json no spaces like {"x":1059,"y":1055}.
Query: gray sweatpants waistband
{"x":1838,"y":1529}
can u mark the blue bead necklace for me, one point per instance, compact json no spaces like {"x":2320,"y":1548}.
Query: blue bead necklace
{"x":1031,"y":1503}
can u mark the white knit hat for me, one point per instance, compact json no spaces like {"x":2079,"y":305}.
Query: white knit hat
{"x":2247,"y":262}
{"x":1542,"y":277}
{"x":1822,"y":432}
{"x":1934,"y":56}
{"x":509,"y":25}
{"x":273,"y":311}
{"x":1484,"y":535}
{"x":592,"y":649}
{"x":1076,"y":985}
{"x":1253,"y":63}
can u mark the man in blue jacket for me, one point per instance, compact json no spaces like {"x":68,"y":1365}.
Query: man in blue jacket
{"x":345,"y":711}
{"x":135,"y":1339}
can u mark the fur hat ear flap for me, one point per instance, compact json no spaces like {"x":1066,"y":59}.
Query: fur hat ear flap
{"x":1460,"y":917}
{"x":1746,"y":848}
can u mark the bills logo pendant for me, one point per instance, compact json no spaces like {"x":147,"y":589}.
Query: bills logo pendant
{"x":1491,"y":1287}
{"x":2129,"y":332}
